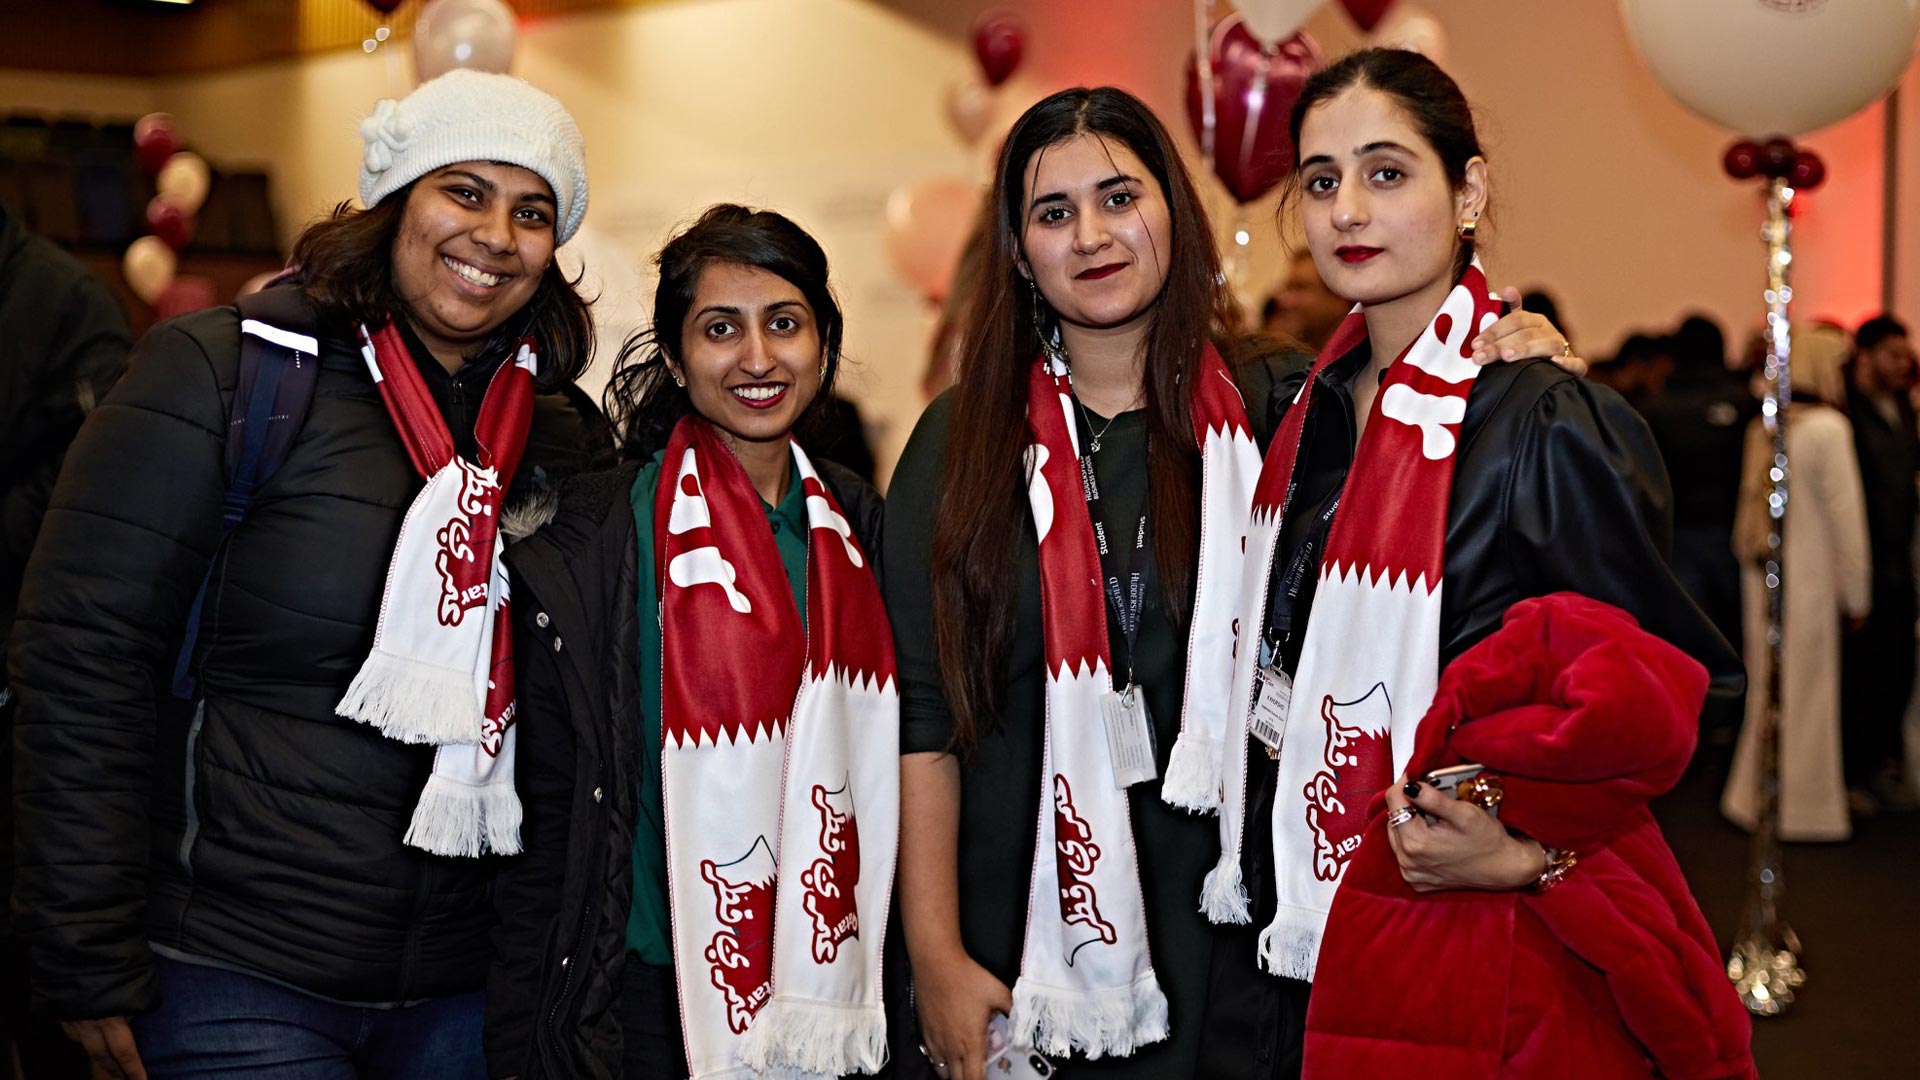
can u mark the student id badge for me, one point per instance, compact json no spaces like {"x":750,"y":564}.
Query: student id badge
{"x":1129,"y":736}
{"x":1275,"y":696}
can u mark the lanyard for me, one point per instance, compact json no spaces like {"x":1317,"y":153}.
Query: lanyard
{"x":1125,"y":582}
{"x":1285,"y":594}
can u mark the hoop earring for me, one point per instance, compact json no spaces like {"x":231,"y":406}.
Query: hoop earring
{"x":678,"y":379}
{"x":1467,"y":229}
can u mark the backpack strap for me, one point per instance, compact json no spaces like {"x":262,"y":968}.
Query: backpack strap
{"x":279,"y":366}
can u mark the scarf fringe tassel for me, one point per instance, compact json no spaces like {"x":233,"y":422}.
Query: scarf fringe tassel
{"x":816,"y":1037}
{"x":1195,"y":774}
{"x":1223,"y":897}
{"x":465,"y":820}
{"x":1290,"y":947}
{"x":1095,"y":1023}
{"x":412,"y":702}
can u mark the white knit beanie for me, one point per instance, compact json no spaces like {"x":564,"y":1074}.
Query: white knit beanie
{"x":476,"y":116}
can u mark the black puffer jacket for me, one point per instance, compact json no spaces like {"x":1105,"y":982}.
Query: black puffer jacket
{"x":561,"y":944}
{"x":259,"y":831}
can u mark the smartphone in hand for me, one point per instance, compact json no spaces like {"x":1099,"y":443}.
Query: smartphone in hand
{"x":1006,"y":1061}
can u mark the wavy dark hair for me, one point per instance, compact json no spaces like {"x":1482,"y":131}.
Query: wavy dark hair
{"x":1427,"y":94}
{"x":983,"y":502}
{"x":344,"y":263}
{"x":642,"y":400}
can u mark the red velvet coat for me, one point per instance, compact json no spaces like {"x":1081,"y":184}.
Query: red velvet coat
{"x":1614,"y":973}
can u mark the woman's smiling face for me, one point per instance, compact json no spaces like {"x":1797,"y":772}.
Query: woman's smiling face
{"x":1379,"y":211}
{"x":473,"y":242}
{"x":750,"y":352}
{"x":1097,"y":231}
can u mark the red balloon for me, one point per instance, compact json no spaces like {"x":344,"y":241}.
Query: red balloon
{"x":187,"y":292}
{"x":998,"y":42}
{"x":1253,"y":93}
{"x":154,"y":141}
{"x":1777,"y":157}
{"x":384,"y":7}
{"x":1742,"y":161}
{"x":1366,"y":13}
{"x":1809,"y":171}
{"x":169,"y":221}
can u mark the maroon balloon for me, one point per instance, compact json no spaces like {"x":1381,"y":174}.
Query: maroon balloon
{"x":998,"y":42}
{"x":1809,"y":171}
{"x":1253,"y":93}
{"x":1742,"y":161}
{"x":1366,"y":13}
{"x":169,"y":221}
{"x":1777,"y":157}
{"x":187,"y":292}
{"x":154,"y":141}
{"x":384,"y":7}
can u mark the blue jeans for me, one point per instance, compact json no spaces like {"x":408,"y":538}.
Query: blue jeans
{"x":218,"y":1023}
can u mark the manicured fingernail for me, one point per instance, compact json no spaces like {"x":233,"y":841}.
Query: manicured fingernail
{"x":1413,"y":786}
{"x":1507,"y":354}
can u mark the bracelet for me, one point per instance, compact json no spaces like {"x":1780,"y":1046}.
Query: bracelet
{"x":1559,"y":864}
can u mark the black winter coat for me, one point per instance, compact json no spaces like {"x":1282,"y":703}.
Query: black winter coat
{"x":258,"y":831}
{"x":560,"y":946}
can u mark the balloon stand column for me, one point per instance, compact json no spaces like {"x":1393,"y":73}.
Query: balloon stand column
{"x":1765,"y":961}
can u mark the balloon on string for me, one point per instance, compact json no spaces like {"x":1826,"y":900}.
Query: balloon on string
{"x":1254,"y":90}
{"x":999,"y":40}
{"x":148,"y":266}
{"x":1274,"y":21}
{"x":1413,"y":28}
{"x":185,"y":179}
{"x":188,"y":292}
{"x":969,"y":109}
{"x":1765,"y":66}
{"x":476,"y":34}
{"x":169,"y":221}
{"x":928,"y":224}
{"x":1366,"y":14}
{"x":155,"y":139}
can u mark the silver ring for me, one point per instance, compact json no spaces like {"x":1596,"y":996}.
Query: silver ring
{"x":1400,"y":817}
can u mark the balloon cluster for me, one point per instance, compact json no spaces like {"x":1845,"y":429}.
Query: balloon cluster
{"x":1253,"y":88}
{"x":999,"y":44}
{"x":1775,"y":159}
{"x":181,"y":180}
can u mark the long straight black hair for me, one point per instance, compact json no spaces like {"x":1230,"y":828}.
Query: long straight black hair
{"x":983,"y":499}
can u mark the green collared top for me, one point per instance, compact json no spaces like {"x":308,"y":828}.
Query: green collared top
{"x":649,"y":929}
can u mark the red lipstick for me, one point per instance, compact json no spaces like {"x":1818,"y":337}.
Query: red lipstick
{"x":1354,"y":254}
{"x":1099,"y":272}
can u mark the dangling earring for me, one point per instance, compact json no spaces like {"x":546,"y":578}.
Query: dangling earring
{"x":679,"y":380}
{"x":1050,"y":342}
{"x":1467,"y":229}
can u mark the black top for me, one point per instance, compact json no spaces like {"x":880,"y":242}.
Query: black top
{"x":1000,"y":791}
{"x":261,"y":832}
{"x":1889,"y":454}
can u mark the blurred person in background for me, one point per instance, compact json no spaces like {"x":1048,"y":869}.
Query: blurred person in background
{"x":63,"y":343}
{"x":1303,"y":309}
{"x":1878,"y":661}
{"x":1826,"y":583}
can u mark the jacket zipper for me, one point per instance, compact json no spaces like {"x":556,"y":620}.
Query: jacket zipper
{"x":568,"y":964}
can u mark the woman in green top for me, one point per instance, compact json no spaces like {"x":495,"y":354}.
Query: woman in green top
{"x":746,"y":337}
{"x":1099,"y":250}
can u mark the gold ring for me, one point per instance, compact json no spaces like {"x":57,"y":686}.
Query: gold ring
{"x":1400,"y":817}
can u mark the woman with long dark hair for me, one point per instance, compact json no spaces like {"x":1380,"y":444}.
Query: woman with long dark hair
{"x":710,"y":765}
{"x":255,"y":852}
{"x":1062,"y":541}
{"x":1487,"y":543}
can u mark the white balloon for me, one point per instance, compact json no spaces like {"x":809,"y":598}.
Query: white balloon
{"x":1774,"y":67}
{"x":1274,"y":21}
{"x":185,"y":178}
{"x":148,"y":267}
{"x":476,"y":34}
{"x":1415,"y":28}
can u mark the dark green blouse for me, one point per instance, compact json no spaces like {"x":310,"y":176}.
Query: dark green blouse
{"x":649,"y":929}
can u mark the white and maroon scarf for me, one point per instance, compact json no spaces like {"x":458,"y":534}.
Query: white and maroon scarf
{"x":781,"y":769}
{"x":1371,"y":659}
{"x":1086,"y":977}
{"x":441,"y":669}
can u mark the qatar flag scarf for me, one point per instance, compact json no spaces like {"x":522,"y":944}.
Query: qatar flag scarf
{"x":1371,"y":658}
{"x":1086,"y":977}
{"x":781,"y":773}
{"x":441,"y":669}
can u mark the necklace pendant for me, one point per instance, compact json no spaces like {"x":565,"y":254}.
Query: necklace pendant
{"x":1094,"y":446}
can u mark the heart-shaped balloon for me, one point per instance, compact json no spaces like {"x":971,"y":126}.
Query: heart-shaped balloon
{"x":1366,"y":14}
{"x":998,"y":42}
{"x":384,"y":7}
{"x":1254,"y":90}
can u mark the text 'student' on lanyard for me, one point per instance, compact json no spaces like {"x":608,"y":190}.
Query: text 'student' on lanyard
{"x":1125,"y":586}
